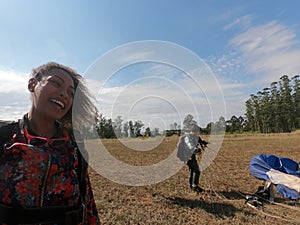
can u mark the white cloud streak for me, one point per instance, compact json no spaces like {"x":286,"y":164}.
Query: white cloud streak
{"x":269,"y":50}
{"x":11,"y":81}
{"x":13,"y":94}
{"x":243,"y":22}
{"x":161,"y":92}
{"x":255,"y":57}
{"x":155,"y":100}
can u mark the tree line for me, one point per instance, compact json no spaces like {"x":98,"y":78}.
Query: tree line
{"x":107,"y":128}
{"x":275,"y":109}
{"x":118,"y":128}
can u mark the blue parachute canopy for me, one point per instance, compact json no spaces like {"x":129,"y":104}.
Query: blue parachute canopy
{"x":283,"y":172}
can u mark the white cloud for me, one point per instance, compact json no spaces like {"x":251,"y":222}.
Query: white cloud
{"x":254,"y":59}
{"x":167,"y":96}
{"x":158,"y":95}
{"x":257,"y":56}
{"x":269,"y":50}
{"x":243,"y":22}
{"x":13,"y":94}
{"x":234,"y":82}
{"x":13,"y":82}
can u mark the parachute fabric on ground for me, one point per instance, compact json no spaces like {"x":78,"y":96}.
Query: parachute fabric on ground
{"x":235,"y":187}
{"x":281,"y":171}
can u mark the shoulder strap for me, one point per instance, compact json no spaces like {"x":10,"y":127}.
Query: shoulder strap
{"x":82,"y":169}
{"x":7,"y":130}
{"x":82,"y":165}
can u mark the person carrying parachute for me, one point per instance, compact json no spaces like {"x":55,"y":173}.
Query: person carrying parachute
{"x":277,"y":171}
{"x":191,"y":144}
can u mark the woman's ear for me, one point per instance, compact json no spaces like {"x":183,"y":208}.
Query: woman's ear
{"x":31,"y":84}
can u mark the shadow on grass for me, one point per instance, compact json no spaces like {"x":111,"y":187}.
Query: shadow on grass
{"x":230,"y":195}
{"x":220,"y":210}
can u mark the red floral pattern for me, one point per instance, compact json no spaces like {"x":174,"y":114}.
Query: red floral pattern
{"x":33,"y":176}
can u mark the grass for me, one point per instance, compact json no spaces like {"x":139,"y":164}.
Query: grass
{"x":226,"y":182}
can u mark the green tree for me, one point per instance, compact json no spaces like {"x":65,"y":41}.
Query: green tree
{"x":109,"y":130}
{"x":156,"y":132}
{"x":101,"y":125}
{"x":275,"y":107}
{"x":148,"y":132}
{"x":220,"y":125}
{"x":117,"y":125}
{"x":188,"y":122}
{"x":255,"y":102}
{"x":234,"y":125}
{"x":137,"y":127}
{"x":265,"y":111}
{"x":250,"y":113}
{"x":131,"y":129}
{"x":126,"y":129}
{"x":286,"y":104}
{"x":296,"y":101}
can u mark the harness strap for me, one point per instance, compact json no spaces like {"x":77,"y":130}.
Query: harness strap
{"x":56,"y":214}
{"x":67,"y":215}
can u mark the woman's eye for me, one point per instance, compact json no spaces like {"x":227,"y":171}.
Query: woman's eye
{"x":55,"y":83}
{"x":71,"y":94}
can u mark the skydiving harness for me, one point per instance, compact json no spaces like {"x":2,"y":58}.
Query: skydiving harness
{"x":67,"y":215}
{"x":253,"y":201}
{"x":263,"y":194}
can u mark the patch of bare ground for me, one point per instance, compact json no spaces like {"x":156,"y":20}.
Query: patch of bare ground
{"x":226,"y":182}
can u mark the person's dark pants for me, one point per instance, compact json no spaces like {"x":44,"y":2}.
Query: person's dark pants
{"x":194,"y":173}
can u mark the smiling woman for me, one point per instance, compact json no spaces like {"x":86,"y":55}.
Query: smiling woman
{"x":44,"y":178}
{"x":52,"y":93}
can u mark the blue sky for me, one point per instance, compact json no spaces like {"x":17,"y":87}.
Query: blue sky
{"x":246,"y":44}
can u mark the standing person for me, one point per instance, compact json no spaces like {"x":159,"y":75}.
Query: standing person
{"x":43,"y":176}
{"x":195,"y":145}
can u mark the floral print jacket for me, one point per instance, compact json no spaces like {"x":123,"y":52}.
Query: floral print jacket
{"x":32,"y":176}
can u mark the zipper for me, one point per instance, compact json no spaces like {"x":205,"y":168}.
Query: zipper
{"x":45,"y":181}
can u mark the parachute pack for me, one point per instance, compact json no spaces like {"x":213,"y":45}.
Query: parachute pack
{"x":183,"y":152}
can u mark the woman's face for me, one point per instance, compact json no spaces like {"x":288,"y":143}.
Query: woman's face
{"x":52,"y":96}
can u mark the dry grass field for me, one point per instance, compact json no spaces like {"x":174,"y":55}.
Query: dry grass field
{"x":226,"y":182}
